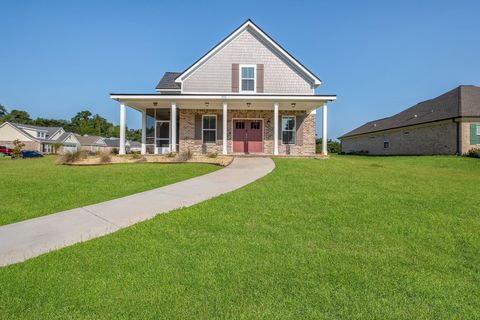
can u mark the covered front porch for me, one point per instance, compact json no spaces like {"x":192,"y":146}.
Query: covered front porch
{"x":226,"y":124}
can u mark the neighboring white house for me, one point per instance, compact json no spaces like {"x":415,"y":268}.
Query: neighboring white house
{"x":246,"y":95}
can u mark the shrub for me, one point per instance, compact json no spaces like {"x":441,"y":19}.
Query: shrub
{"x":136,"y":156}
{"x":142,"y":159}
{"x":72,"y":157}
{"x":17,"y":148}
{"x":185,"y":155}
{"x":56,"y":147}
{"x":105,"y":157}
{"x":473,"y":153}
{"x":114,"y":151}
{"x":171,"y":154}
{"x":333,"y":146}
{"x":212,"y":154}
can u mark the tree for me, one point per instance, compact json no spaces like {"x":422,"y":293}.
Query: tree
{"x":56,"y":146}
{"x":17,"y":148}
{"x":18,"y":116}
{"x":3,"y":111}
{"x":81,"y":122}
{"x":333,"y":146}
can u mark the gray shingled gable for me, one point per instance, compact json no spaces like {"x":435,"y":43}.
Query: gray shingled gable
{"x":461,"y":101}
{"x":168,"y":81}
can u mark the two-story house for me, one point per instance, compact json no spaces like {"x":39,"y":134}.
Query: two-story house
{"x":247,"y":95}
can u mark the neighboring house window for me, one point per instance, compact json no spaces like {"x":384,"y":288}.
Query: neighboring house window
{"x":247,"y":78}
{"x":209,"y":129}
{"x":478,"y":129}
{"x":386,"y":143}
{"x":40,"y":134}
{"x":47,"y":148}
{"x":94,"y":148}
{"x":288,"y":130}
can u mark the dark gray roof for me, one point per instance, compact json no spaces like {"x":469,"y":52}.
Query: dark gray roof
{"x":463,"y":101}
{"x":49,"y":131}
{"x":168,"y":81}
{"x":115,"y":143}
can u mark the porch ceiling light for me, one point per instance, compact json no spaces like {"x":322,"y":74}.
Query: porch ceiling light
{"x":293,"y":105}
{"x":207,"y":104}
{"x":155,"y":104}
{"x":248,"y":104}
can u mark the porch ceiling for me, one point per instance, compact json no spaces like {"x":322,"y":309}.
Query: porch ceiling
{"x":235,"y":102}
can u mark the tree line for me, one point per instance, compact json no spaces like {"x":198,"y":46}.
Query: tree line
{"x":84,"y":122}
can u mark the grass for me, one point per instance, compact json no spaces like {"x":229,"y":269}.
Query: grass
{"x":35,"y":187}
{"x":351,"y":237}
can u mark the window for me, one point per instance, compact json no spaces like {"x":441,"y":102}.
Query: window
{"x":47,"y":148}
{"x":239,"y":125}
{"x":247,"y":78}
{"x":40,"y":134}
{"x":288,"y":130}
{"x":255,"y":124}
{"x":386,"y":143}
{"x":209,"y":129}
{"x":478,"y":129}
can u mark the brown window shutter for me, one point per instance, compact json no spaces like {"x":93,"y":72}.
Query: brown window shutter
{"x":219,"y":129}
{"x":235,"y":77}
{"x":198,"y":128}
{"x":260,"y":77}
{"x":299,"y":123}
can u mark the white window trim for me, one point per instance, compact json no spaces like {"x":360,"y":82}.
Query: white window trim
{"x":478,"y":129}
{"x":386,"y":140}
{"x":254,"y":66}
{"x":294,"y":130}
{"x":216,"y":128}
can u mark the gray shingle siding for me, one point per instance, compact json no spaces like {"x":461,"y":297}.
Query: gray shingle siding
{"x":280,"y":77}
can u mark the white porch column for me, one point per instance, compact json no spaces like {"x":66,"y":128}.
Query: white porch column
{"x":122,"y":128}
{"x":144,"y":132}
{"x":324,"y":129}
{"x":224,"y":127}
{"x":275,"y":128}
{"x":173,"y":125}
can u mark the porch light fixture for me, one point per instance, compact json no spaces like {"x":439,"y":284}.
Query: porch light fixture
{"x":155,"y":104}
{"x":293,"y":105}
{"x":248,"y":104}
{"x":207,"y":104}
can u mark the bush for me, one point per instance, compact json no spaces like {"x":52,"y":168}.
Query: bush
{"x":185,"y":155}
{"x":171,"y":154}
{"x":473,"y":153}
{"x":17,"y":148}
{"x":114,"y":151}
{"x":332,"y":146}
{"x":105,"y":157}
{"x":136,"y":156}
{"x":72,"y":157}
{"x":212,"y":154}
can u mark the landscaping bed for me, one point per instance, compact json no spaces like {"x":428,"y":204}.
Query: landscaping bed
{"x":97,"y":160}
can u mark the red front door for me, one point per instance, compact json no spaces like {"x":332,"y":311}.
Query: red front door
{"x":247,"y":136}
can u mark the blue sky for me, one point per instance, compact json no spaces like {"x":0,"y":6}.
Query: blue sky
{"x":379,"y":57}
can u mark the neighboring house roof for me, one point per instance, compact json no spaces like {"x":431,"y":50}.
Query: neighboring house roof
{"x":49,"y":132}
{"x":168,"y":81}
{"x":87,"y":140}
{"x":273,"y":44}
{"x":463,"y":101}
{"x":115,"y":142}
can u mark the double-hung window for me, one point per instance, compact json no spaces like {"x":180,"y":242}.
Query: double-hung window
{"x":478,"y":129}
{"x":288,"y":130}
{"x":247,"y":78}
{"x":209,"y":129}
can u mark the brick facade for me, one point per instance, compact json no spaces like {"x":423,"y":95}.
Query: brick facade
{"x":29,"y":145}
{"x":430,"y":139}
{"x":187,"y":131}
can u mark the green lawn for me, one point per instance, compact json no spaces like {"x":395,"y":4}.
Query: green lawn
{"x":35,"y":187}
{"x":351,"y":237}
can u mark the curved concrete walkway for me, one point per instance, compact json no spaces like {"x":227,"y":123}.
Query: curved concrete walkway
{"x":27,"y":239}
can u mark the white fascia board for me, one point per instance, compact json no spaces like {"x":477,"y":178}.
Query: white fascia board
{"x":120,"y":97}
{"x":267,"y":38}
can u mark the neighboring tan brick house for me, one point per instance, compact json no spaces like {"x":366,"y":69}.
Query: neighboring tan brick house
{"x":447,"y":124}
{"x":247,"y":95}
